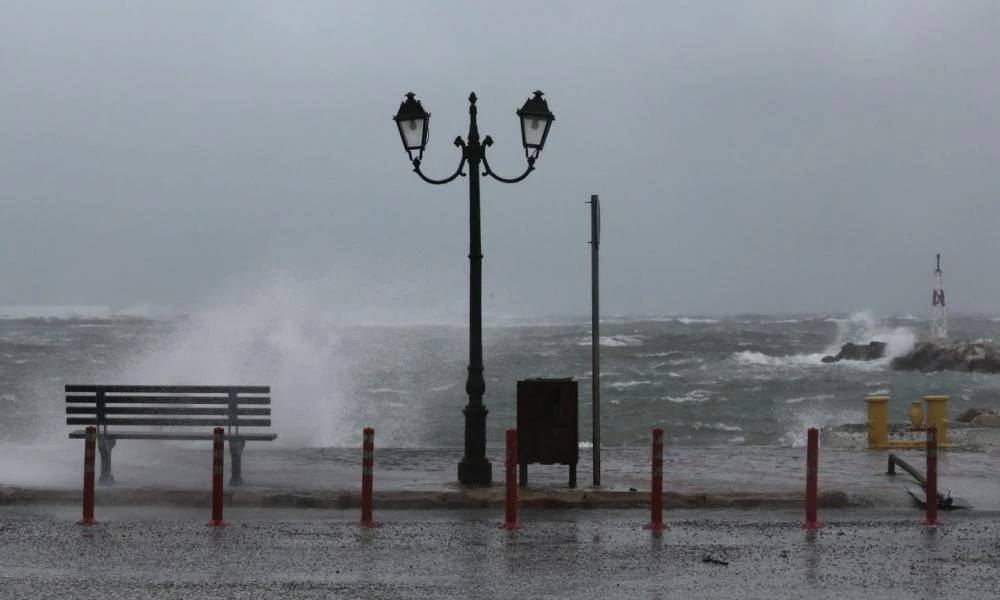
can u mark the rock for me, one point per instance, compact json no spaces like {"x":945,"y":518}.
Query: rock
{"x":971,"y":414}
{"x":851,"y":351}
{"x":986,"y":364}
{"x":980,"y":356}
{"x":987,"y":420}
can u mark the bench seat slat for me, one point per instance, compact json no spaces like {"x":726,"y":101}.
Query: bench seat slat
{"x":170,"y":389}
{"x":80,"y":434}
{"x":167,"y":422}
{"x":167,"y":410}
{"x":112,"y":399}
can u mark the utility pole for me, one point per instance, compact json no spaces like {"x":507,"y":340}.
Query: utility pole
{"x":939,"y":314}
{"x":595,"y":328}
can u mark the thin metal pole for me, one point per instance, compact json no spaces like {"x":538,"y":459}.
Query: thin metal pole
{"x":218,"y":470}
{"x":89,"y":446}
{"x":931,"y":518}
{"x":367,"y":473}
{"x":656,"y":495}
{"x":510,"y":502}
{"x":812,"y":479}
{"x":595,"y":327}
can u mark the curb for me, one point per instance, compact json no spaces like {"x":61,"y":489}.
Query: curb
{"x":492,"y":498}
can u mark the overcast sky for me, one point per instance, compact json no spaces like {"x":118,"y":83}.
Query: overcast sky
{"x":764,"y":157}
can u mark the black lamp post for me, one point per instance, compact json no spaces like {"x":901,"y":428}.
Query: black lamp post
{"x":412,"y":121}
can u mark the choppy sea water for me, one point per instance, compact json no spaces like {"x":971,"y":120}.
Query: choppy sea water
{"x":742,"y":380}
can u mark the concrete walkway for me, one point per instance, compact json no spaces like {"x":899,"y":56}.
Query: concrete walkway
{"x":718,"y":477}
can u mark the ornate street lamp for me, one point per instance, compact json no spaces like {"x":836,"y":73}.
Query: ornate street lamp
{"x":535,"y":122}
{"x":413,"y":122}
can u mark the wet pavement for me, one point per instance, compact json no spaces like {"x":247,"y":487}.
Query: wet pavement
{"x":735,"y":516}
{"x":161,"y":552}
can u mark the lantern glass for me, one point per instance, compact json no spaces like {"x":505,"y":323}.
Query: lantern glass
{"x":413,"y":133}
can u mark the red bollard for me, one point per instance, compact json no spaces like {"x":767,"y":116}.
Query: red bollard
{"x":510,"y":504}
{"x":218,"y":468}
{"x":367,"y":469}
{"x":812,"y":468}
{"x":656,"y":497}
{"x":932,"y":498}
{"x":89,"y":451}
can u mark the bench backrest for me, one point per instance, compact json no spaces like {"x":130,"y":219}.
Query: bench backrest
{"x":169,"y":405}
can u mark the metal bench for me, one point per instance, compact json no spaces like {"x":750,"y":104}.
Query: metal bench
{"x":144,"y":412}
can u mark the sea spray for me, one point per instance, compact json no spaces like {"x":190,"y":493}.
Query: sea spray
{"x":898,"y":342}
{"x":859,"y":328}
{"x":797,"y":422}
{"x":863,"y":327}
{"x":277,"y":336}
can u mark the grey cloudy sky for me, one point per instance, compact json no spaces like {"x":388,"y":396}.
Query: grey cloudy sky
{"x":775,"y":156}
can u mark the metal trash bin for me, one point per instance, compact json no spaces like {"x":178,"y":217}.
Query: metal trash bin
{"x":547,"y":425}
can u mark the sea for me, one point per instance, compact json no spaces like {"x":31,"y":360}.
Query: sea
{"x":737,"y":380}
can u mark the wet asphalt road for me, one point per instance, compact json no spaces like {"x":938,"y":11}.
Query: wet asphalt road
{"x":156,"y":552}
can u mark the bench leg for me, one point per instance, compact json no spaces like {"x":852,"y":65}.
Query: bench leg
{"x":572,"y":476}
{"x":104,"y":446}
{"x":522,"y":474}
{"x":236,"y":454}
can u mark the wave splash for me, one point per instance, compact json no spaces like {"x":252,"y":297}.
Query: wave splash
{"x":797,"y":423}
{"x":750,"y":357}
{"x":279,"y":336}
{"x":863,"y":327}
{"x":859,"y":328}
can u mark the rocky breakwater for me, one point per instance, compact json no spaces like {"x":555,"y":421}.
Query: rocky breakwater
{"x":979,"y":416}
{"x":979,"y":356}
{"x":851,"y":351}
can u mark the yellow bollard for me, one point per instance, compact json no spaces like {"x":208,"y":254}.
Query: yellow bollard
{"x":916,"y":415}
{"x":937,"y":416}
{"x":878,"y":421}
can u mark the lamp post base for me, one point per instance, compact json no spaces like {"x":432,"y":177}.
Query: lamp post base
{"x":477,"y":471}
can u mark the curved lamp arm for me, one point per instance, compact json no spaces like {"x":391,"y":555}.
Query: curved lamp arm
{"x":487,"y":142}
{"x":461,"y":165}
